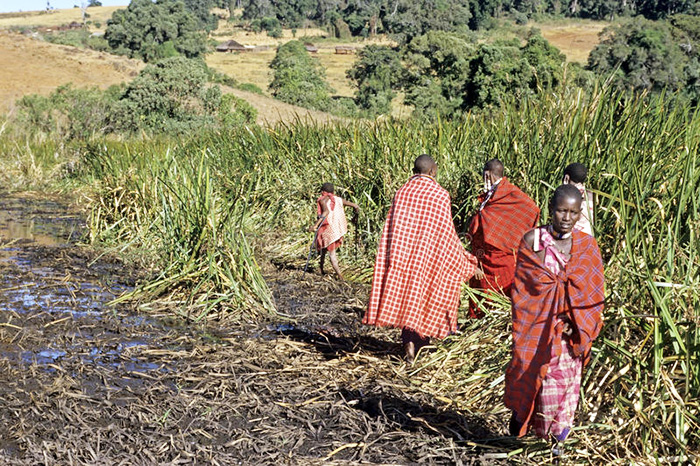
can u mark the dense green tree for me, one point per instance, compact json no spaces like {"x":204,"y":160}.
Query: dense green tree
{"x":641,"y":54}
{"x":412,"y":18}
{"x":496,"y":70}
{"x":202,"y":11}
{"x":376,"y":74}
{"x":154,"y":30}
{"x":506,"y":68}
{"x":362,"y":17}
{"x":437,"y":66}
{"x":448,"y":73}
{"x":169,"y":95}
{"x":298,"y":78}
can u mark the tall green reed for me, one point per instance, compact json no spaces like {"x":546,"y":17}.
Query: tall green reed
{"x":166,"y":203}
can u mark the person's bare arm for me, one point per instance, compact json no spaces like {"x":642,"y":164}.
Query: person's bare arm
{"x":351,"y":204}
{"x":324,"y":214}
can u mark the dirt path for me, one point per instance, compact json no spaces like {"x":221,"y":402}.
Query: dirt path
{"x":83,"y":383}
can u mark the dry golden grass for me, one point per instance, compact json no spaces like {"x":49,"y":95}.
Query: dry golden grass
{"x":575,"y":39}
{"x":254,"y":67}
{"x":99,"y":14}
{"x":29,"y":66}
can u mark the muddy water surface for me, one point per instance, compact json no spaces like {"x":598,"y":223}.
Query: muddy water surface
{"x":85,"y":383}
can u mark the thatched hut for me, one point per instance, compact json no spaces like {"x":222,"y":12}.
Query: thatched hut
{"x":344,"y":49}
{"x":311,"y":48}
{"x":231,"y":46}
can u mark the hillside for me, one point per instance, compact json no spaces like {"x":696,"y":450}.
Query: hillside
{"x":98,"y":15}
{"x":29,"y":66}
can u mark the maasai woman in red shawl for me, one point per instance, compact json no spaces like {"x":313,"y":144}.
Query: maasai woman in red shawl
{"x":331,"y":225}
{"x":557,"y":313}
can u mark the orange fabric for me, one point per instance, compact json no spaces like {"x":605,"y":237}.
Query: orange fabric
{"x":420,"y":263}
{"x":538,"y":297}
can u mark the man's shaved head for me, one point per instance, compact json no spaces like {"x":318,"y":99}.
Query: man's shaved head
{"x":423,"y":165}
{"x":494,"y":166}
{"x":577,"y":172}
{"x":566,"y":191}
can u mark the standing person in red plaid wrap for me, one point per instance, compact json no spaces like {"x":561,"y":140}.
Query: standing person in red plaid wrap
{"x":557,"y":296}
{"x":331,"y":225}
{"x":420,"y":263}
{"x":505,"y":214}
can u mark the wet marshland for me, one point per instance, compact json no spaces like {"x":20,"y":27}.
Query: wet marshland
{"x":84,"y":382}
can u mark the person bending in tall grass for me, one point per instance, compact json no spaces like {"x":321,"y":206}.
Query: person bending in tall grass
{"x":557,"y":300}
{"x":576,"y":174}
{"x":331,"y":225}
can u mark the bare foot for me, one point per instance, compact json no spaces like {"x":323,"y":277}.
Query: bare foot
{"x":410,"y":349}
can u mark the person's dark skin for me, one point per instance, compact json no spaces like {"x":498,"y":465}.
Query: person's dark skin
{"x":566,"y":211}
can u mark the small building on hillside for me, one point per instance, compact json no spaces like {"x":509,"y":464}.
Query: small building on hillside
{"x":311,"y":48}
{"x":231,"y":46}
{"x":344,"y":49}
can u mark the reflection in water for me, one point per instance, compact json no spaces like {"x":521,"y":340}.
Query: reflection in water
{"x":42,"y":222}
{"x":30,"y":291}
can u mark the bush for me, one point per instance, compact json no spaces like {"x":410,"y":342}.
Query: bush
{"x":68,"y":112}
{"x":172,"y":96}
{"x":520,"y":18}
{"x":298,"y":78}
{"x":235,"y":111}
{"x":80,"y":38}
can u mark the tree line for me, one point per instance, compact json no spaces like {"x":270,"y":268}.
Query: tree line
{"x":406,"y":19}
{"x":446,"y":73}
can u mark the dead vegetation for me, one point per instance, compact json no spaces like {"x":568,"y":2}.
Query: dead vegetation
{"x":83,"y":383}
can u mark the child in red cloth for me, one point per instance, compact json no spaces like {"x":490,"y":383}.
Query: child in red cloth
{"x":331,"y":225}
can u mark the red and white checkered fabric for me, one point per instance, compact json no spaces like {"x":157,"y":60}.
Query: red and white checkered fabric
{"x":420,"y":263}
{"x":335,"y":226}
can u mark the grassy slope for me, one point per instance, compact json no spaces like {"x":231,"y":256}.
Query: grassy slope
{"x":29,"y":66}
{"x":575,"y":39}
{"x":57,"y":17}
